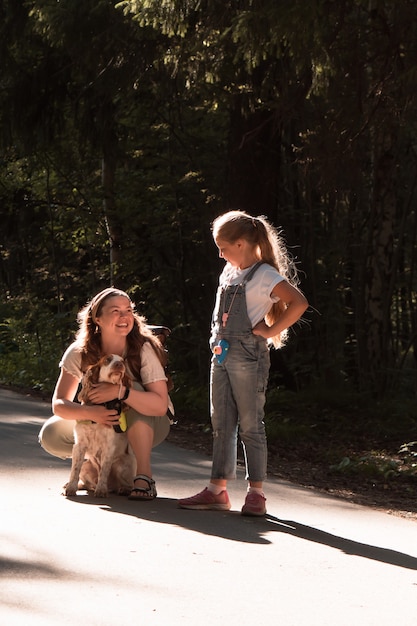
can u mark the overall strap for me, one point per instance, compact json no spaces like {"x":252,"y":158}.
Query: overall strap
{"x":250,"y":275}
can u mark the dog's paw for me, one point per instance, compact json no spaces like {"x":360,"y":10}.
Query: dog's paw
{"x":69,"y":490}
{"x":100,"y":492}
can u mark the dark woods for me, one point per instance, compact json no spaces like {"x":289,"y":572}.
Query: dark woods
{"x":127,"y":127}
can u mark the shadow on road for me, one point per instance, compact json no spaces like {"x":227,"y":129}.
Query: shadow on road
{"x":235,"y":527}
{"x":384,"y":555}
{"x":23,"y":427}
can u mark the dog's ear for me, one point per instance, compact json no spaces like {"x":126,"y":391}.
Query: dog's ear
{"x":86,"y":382}
{"x":82,"y":395}
{"x":93,"y":374}
{"x":126,"y":381}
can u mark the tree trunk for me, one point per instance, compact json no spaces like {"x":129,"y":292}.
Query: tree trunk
{"x":376,"y":346}
{"x":109,"y":209}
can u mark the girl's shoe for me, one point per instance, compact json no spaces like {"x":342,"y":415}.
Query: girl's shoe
{"x":206,"y":500}
{"x":254,"y":504}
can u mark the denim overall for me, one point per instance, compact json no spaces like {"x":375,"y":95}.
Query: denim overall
{"x":237,"y":388}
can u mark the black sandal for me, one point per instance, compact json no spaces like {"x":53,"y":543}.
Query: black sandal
{"x":146,"y":493}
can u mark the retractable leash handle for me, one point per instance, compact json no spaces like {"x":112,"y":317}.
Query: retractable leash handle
{"x":121,"y":427}
{"x":220,"y":350}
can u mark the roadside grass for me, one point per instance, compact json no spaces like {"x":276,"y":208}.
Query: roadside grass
{"x":349,"y":434}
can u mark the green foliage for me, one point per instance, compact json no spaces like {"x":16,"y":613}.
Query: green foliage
{"x":374,"y":465}
{"x":31,"y":341}
{"x":408,"y":454}
{"x":191,"y":400}
{"x":286,"y":419}
{"x":349,"y":433}
{"x":380,"y":464}
{"x":127,"y":127}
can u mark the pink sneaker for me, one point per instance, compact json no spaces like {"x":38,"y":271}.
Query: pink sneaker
{"x":254,"y":504}
{"x":206,"y":500}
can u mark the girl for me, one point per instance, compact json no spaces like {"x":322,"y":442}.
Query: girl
{"x":109,"y":325}
{"x":257,"y":301}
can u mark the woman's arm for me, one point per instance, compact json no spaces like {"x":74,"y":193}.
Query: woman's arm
{"x":64,"y":406}
{"x":153,"y":401}
{"x":296,"y":304}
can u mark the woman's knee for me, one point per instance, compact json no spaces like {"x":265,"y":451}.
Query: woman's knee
{"x":57,"y":437}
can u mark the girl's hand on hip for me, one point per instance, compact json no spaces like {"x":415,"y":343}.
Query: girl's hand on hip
{"x":262,"y":330}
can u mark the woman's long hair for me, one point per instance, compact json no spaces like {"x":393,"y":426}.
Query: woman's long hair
{"x":269,"y":247}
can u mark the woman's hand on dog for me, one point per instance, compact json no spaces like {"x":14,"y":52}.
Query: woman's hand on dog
{"x":98,"y":395}
{"x":64,"y":406}
{"x":103,"y":392}
{"x":99,"y":414}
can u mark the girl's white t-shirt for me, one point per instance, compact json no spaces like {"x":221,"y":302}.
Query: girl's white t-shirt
{"x":258,"y":289}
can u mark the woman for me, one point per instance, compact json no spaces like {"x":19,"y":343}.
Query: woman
{"x":108,"y":324}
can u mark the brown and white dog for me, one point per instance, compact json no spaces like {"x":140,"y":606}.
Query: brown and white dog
{"x":102,"y":459}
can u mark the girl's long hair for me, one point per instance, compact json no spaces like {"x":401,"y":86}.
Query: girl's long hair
{"x":89,"y":339}
{"x":270,"y":248}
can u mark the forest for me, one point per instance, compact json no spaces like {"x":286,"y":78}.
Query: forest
{"x":127,"y":126}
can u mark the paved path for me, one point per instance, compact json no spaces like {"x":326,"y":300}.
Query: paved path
{"x":314,"y":560}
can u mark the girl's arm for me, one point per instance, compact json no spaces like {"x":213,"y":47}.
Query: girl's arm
{"x":296,"y":304}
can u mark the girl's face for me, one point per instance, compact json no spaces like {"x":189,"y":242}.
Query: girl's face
{"x":231,"y":252}
{"x":116,"y":316}
{"x":240,"y":254}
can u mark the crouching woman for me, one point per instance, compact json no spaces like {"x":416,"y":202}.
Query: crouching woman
{"x":108,"y":324}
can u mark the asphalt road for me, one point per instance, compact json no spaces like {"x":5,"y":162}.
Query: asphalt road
{"x":313,"y":560}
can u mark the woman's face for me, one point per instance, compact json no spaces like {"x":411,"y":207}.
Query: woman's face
{"x":116,"y":316}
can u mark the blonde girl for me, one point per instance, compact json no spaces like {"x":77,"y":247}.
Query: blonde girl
{"x":257,"y":301}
